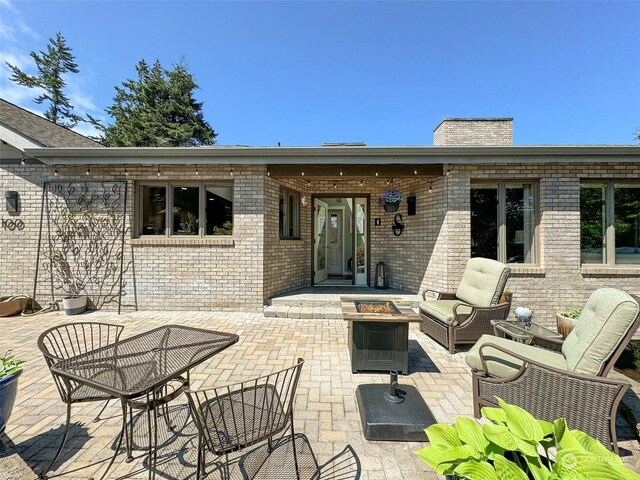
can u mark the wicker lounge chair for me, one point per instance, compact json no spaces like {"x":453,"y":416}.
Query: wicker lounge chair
{"x":570,"y":383}
{"x":464,"y":316}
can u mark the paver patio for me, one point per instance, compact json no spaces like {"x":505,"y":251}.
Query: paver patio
{"x":326,"y":414}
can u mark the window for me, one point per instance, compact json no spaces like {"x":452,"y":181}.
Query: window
{"x":503,"y":221}
{"x":289,"y":214}
{"x":610,"y":223}
{"x":189,"y":209}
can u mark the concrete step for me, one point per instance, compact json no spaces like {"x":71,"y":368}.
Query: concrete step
{"x":286,"y":311}
{"x":330,"y":297}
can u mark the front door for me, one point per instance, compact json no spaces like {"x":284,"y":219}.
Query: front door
{"x":320,"y":241}
{"x":334,"y":246}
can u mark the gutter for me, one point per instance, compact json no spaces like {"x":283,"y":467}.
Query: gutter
{"x":339,"y":155}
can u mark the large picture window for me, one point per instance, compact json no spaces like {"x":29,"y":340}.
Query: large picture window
{"x":289,"y":214}
{"x":185,"y":209}
{"x":503,"y":221}
{"x":610,"y":223}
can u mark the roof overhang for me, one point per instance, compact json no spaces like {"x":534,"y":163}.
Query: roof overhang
{"x":338,"y":155}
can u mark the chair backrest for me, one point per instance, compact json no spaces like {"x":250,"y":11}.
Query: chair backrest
{"x":483,"y":282}
{"x":236,"y":416}
{"x":605,"y":326}
{"x":73,"y":339}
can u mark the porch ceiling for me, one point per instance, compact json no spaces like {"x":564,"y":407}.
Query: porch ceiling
{"x":355,"y":171}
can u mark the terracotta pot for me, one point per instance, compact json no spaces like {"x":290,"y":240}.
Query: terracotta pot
{"x":506,"y":297}
{"x":565,"y":324}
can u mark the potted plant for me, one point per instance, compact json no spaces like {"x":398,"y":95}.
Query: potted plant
{"x":513,"y":445}
{"x":73,"y":256}
{"x":390,"y":200}
{"x":10,"y":371}
{"x":507,"y":295}
{"x":566,"y":319}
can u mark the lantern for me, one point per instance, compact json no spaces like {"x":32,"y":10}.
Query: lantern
{"x":382,"y":275}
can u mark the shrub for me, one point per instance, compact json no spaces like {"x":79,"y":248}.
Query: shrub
{"x":570,"y":312}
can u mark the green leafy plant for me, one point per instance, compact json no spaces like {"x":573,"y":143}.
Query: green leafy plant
{"x":508,"y":290}
{"x":514,"y":445}
{"x":570,"y":312}
{"x":9,"y":365}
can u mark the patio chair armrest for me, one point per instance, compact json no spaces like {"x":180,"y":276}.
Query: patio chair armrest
{"x":551,"y":370}
{"x":493,"y":312}
{"x":439,"y":295}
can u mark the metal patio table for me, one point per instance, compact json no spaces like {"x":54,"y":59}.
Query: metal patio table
{"x":138,"y":367}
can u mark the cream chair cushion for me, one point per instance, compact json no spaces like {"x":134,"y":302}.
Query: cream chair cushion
{"x":483,"y":282}
{"x":604,"y":321}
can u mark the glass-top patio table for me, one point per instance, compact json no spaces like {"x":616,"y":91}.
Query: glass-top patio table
{"x":135,"y":369}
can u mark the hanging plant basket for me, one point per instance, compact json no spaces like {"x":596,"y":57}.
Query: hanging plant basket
{"x":391,"y":206}
{"x":390,"y":200}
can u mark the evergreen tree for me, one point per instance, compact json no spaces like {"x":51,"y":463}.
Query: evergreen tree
{"x":157,"y":109}
{"x":51,"y":66}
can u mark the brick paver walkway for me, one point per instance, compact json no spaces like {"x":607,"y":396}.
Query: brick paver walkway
{"x":326,"y":415}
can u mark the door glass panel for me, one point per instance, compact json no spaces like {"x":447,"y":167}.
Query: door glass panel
{"x":361,"y":241}
{"x":627,"y":223}
{"x":519,"y":217}
{"x":322,"y":238}
{"x":592,"y":222}
{"x":186,"y":204}
{"x":484,"y":221}
{"x":154,"y":203}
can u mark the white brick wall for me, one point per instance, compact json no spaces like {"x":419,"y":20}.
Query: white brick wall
{"x":431,"y":253}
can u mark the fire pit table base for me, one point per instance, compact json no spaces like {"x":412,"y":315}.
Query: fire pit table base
{"x":396,"y":422}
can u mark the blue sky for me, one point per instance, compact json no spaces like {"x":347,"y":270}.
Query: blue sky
{"x":304,"y":73}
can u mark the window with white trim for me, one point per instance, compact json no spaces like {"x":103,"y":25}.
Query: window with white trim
{"x":185,"y":208}
{"x":610,"y":222}
{"x":503,"y":221}
{"x":289,"y":212}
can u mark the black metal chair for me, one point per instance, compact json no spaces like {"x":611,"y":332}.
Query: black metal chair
{"x":73,"y":339}
{"x":70,"y":340}
{"x":237,"y":416}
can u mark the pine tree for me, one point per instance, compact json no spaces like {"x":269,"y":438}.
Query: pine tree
{"x":157,"y":109}
{"x":51,"y":66}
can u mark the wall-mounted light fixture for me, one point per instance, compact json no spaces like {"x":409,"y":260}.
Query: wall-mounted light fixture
{"x":13,"y":202}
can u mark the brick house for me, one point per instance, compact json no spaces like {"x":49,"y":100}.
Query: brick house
{"x":229,"y":227}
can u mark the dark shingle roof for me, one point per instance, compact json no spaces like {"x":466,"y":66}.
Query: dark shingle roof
{"x":39,"y":129}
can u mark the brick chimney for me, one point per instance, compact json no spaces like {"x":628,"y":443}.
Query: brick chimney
{"x":473,"y":131}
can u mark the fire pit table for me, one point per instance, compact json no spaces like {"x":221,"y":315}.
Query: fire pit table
{"x":378,"y":333}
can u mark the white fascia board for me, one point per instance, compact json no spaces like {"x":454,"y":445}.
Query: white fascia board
{"x":16,"y":140}
{"x":339,"y":155}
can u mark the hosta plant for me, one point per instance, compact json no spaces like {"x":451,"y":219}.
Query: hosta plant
{"x":513,"y":445}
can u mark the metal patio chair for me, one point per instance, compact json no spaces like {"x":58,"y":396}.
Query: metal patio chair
{"x":572,"y":383}
{"x":67,"y":341}
{"x":237,"y":416}
{"x":73,"y":339}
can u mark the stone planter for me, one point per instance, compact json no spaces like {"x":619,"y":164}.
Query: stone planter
{"x":565,"y":324}
{"x":8,"y":391}
{"x":391,"y":206}
{"x":74,"y":305}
